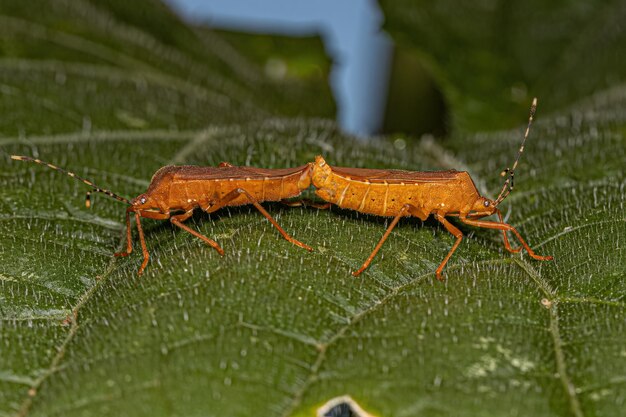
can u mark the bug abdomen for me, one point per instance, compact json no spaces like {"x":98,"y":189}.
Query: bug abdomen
{"x":261,"y":189}
{"x":386,"y":198}
{"x":363,"y":196}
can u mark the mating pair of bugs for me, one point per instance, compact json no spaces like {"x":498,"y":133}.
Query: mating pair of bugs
{"x":176,"y":191}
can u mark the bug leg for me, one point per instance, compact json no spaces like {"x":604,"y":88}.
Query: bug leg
{"x":393,"y":224}
{"x":239,"y":191}
{"x":506,"y":228}
{"x":129,"y":242}
{"x":178,"y":219}
{"x":459,"y":236}
{"x":142,"y":240}
{"x":507,"y":244}
{"x":306,"y":202}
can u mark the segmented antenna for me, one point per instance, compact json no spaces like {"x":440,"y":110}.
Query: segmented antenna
{"x":71,"y":174}
{"x":510,"y":181}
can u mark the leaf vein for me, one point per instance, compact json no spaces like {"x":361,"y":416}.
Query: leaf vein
{"x":323,"y":348}
{"x":561,"y":366}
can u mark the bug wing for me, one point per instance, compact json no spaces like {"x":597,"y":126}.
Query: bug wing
{"x":234,"y":172}
{"x":392,"y":176}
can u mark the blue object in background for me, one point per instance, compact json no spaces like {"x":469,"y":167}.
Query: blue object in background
{"x":350,"y":29}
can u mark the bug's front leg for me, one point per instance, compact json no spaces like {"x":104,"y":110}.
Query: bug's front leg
{"x":129,"y":242}
{"x":505,"y":228}
{"x":507,"y":244}
{"x":144,"y":248}
{"x":142,"y":240}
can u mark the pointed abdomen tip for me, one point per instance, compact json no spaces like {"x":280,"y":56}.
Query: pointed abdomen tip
{"x":319,"y":160}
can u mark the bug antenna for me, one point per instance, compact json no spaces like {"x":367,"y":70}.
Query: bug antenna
{"x":510,"y":181}
{"x":71,"y":174}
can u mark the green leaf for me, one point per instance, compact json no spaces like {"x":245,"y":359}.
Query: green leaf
{"x":491,"y":57}
{"x":270,"y":329}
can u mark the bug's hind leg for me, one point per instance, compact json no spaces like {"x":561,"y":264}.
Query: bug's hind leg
{"x":393,"y":224}
{"x":459,"y":237}
{"x":506,"y":228}
{"x":179,"y":218}
{"x":240,"y":191}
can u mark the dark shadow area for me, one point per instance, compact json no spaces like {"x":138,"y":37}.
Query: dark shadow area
{"x":415,"y":104}
{"x":340,"y":410}
{"x":343,"y":406}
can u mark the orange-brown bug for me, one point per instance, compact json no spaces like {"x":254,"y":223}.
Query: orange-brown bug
{"x":175,"y":191}
{"x":396,"y":193}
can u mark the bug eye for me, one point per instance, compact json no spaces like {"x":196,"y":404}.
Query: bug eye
{"x":486,"y":203}
{"x":143,"y":200}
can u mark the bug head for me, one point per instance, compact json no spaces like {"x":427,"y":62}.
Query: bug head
{"x":484,"y":205}
{"x":145,"y":202}
{"x":158,"y":191}
{"x":510,"y":172}
{"x":94,"y":187}
{"x":142,"y":202}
